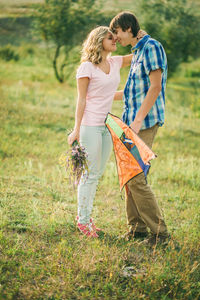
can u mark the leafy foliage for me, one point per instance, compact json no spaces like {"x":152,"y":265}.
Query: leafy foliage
{"x":66,"y":23}
{"x":7,"y":53}
{"x":176,"y":25}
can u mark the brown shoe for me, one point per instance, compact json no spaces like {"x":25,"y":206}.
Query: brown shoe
{"x":131,"y":234}
{"x":159,"y":239}
{"x":140,"y":235}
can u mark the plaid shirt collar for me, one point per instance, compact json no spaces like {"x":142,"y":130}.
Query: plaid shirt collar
{"x":141,"y":43}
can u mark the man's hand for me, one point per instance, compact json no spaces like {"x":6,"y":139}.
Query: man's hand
{"x":136,"y":125}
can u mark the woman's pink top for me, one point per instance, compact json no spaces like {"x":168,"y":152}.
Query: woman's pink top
{"x":101,"y":90}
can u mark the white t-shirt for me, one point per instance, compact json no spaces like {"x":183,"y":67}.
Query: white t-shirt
{"x":101,"y":90}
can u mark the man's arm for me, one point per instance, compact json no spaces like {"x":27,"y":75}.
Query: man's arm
{"x":152,"y":94}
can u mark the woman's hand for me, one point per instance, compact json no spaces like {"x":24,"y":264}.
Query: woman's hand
{"x":74,"y":135}
{"x":141,"y":34}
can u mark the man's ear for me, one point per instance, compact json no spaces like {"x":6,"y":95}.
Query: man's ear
{"x":129,"y":29}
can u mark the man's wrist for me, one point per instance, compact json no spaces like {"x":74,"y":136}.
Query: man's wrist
{"x":138,"y":120}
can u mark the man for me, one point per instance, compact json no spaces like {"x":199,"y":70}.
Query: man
{"x":144,"y":99}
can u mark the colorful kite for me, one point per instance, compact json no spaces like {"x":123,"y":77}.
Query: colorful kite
{"x":131,"y":153}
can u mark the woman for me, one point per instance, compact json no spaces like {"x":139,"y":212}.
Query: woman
{"x":97,"y":80}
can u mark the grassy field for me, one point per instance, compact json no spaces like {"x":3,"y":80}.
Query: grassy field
{"x":42,"y":255}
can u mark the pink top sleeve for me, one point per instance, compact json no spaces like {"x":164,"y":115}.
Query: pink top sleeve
{"x":84,"y":70}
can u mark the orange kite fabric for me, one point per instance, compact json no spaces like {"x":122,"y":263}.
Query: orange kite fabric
{"x":131,"y":153}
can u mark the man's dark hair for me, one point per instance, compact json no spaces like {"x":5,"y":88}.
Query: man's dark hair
{"x":125,"y":20}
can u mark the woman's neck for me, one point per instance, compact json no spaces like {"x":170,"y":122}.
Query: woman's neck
{"x":104,"y":56}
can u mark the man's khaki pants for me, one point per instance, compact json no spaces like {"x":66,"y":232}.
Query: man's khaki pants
{"x":141,"y":205}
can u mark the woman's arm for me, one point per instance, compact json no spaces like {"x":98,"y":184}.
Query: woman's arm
{"x":82,"y":85}
{"x":127,"y":60}
{"x":118,"y":95}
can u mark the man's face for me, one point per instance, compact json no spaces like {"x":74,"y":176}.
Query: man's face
{"x":123,"y":37}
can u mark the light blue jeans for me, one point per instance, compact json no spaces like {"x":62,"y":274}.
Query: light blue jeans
{"x":98,"y":144}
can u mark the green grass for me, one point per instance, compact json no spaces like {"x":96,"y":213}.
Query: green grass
{"x":42,"y":255}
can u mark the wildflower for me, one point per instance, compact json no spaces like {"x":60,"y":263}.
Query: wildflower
{"x":75,"y":162}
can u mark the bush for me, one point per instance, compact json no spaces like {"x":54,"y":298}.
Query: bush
{"x":176,"y":25}
{"x":30,"y":51}
{"x":7,"y":53}
{"x":192,"y":73}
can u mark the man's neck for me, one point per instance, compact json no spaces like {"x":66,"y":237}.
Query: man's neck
{"x":134,"y":41}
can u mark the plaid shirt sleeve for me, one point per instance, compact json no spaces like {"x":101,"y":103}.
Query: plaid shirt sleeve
{"x":154,"y":57}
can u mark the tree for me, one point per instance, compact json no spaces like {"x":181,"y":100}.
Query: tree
{"x":176,"y":25}
{"x":66,"y":23}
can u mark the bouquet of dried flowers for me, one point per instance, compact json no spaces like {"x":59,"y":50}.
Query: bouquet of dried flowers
{"x":75,"y":163}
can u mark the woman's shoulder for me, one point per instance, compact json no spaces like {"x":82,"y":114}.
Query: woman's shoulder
{"x":86,"y":64}
{"x":84,"y":70}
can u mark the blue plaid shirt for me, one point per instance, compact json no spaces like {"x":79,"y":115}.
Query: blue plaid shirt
{"x":148,"y":55}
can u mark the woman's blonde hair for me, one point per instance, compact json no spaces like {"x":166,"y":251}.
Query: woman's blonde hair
{"x":92,"y":47}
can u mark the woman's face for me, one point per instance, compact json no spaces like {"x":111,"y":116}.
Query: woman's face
{"x":109,"y":43}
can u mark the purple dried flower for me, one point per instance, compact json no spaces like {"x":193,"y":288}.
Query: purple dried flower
{"x":75,"y":163}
